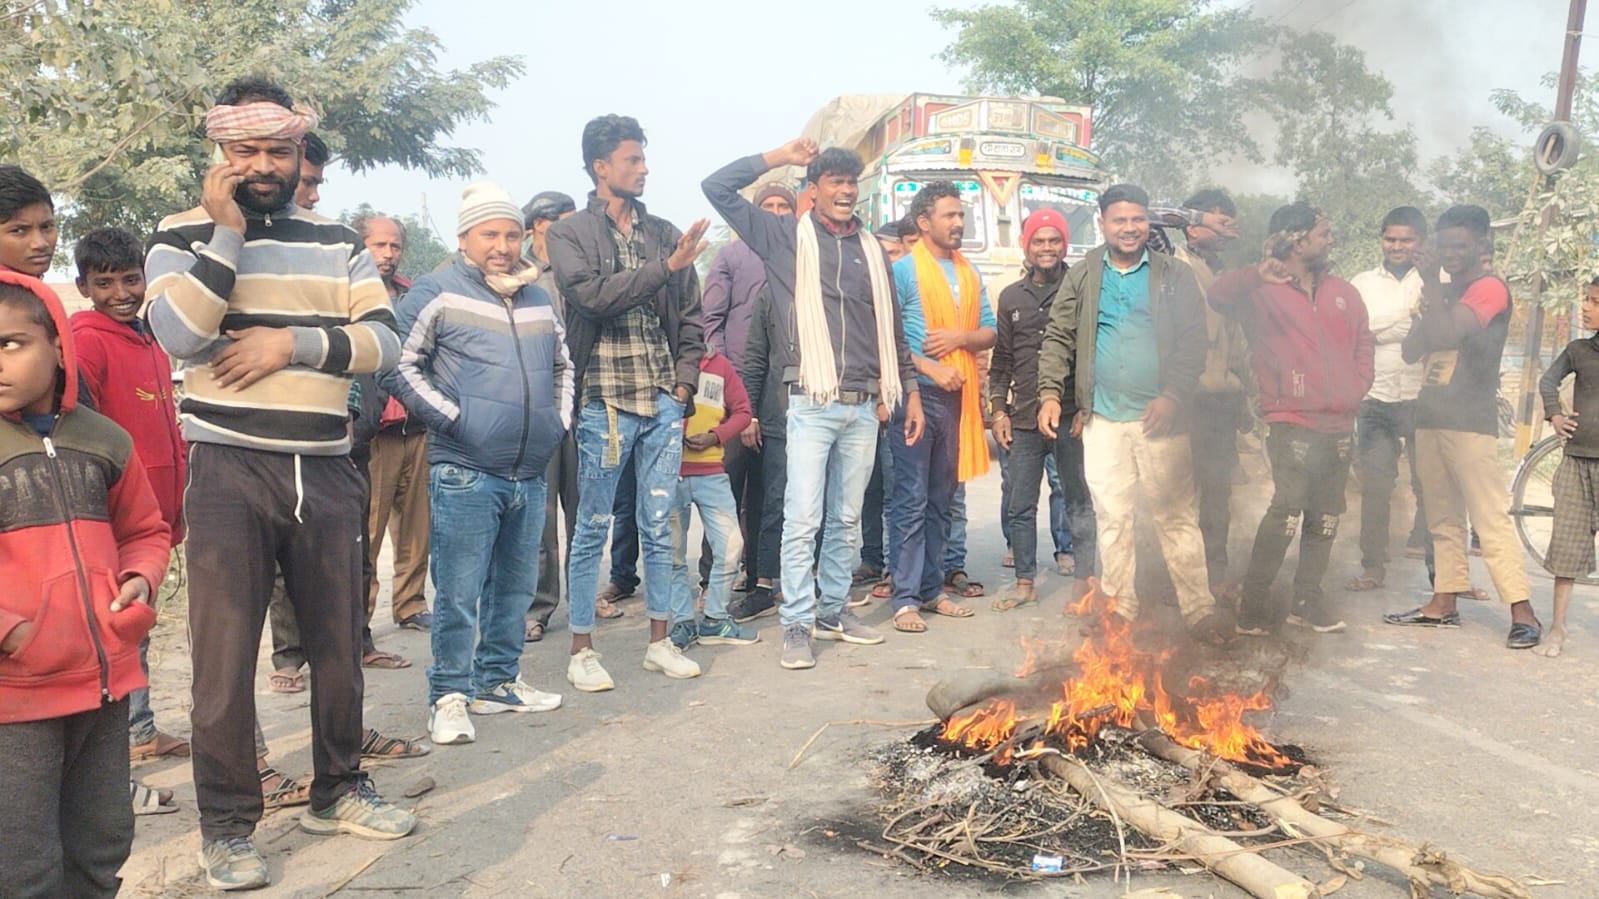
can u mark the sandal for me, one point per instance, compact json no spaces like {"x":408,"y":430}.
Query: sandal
{"x":1013,"y":602}
{"x":279,"y":790}
{"x":150,"y":802}
{"x":377,"y":746}
{"x":1363,"y":583}
{"x":1065,"y":564}
{"x":378,"y":658}
{"x":535,"y":631}
{"x":943,"y":605}
{"x":604,"y":608}
{"x":958,"y":583}
{"x":1009,"y":560}
{"x":162,"y":745}
{"x":287,"y":680}
{"x":611,"y":593}
{"x":884,"y":588}
{"x":1476,"y":593}
{"x":865,"y":574}
{"x":908,"y":620}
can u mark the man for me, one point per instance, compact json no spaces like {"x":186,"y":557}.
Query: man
{"x":840,"y":347}
{"x":484,"y":366}
{"x":947,"y":321}
{"x":1459,"y":337}
{"x":1127,"y":331}
{"x":1312,"y":353}
{"x":27,"y":223}
{"x":1386,"y":423}
{"x":633,"y":300}
{"x":732,"y":287}
{"x":1218,"y":404}
{"x":271,"y":484}
{"x":1022,"y":317}
{"x":312,"y":164}
{"x":560,"y":479}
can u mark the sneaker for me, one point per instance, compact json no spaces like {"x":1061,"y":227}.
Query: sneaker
{"x":361,"y":812}
{"x":1318,"y":618}
{"x":448,"y":723}
{"x":754,"y":604}
{"x":845,"y":626}
{"x":421,"y":621}
{"x":665,"y":657}
{"x":724,"y":631}
{"x":797,"y":647}
{"x":683,"y":634}
{"x":514,"y":696}
{"x":233,"y":863}
{"x":583,"y":671}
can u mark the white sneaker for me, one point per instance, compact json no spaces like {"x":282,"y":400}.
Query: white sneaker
{"x":665,"y":657}
{"x":448,"y":722}
{"x":514,"y":696}
{"x":585,"y":673}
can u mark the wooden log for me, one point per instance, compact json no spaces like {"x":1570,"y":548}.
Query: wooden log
{"x":1261,"y":878}
{"x":1425,"y":867}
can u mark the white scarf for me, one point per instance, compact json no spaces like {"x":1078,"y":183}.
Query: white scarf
{"x":818,"y":371}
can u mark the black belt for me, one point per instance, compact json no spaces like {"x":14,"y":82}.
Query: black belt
{"x":850,"y":397}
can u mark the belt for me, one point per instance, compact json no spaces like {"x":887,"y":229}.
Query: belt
{"x":849,"y":397}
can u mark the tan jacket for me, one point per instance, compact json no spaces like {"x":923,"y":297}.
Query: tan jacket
{"x":1226,"y":354}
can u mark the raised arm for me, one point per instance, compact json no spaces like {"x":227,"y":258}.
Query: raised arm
{"x":767,"y":234}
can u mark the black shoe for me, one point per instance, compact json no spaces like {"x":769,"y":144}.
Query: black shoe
{"x":752,"y":605}
{"x":1414,"y":618}
{"x":1524,"y":636}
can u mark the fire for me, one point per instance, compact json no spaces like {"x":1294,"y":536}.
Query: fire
{"x":1115,"y":683}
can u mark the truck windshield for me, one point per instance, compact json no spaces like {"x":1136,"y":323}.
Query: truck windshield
{"x":1078,"y":206}
{"x":975,"y":238}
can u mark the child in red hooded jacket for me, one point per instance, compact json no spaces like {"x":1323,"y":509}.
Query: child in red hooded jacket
{"x":82,"y":548}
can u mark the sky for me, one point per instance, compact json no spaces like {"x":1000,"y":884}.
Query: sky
{"x":713,"y":80}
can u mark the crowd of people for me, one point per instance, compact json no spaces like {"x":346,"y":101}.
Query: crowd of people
{"x":821,"y":400}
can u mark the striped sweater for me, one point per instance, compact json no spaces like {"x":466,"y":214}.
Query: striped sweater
{"x":294,"y":270}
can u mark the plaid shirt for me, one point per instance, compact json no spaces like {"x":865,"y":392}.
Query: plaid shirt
{"x":631,"y":361}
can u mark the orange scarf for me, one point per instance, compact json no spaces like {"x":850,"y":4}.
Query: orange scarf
{"x":939,"y":310}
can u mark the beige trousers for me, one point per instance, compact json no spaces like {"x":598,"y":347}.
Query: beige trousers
{"x":1461,"y":481}
{"x":399,"y":472}
{"x":1117,"y":460}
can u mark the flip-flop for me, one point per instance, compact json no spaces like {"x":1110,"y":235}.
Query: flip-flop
{"x":286,"y":680}
{"x":883,"y":589}
{"x":909,"y":621}
{"x":958,"y":583}
{"x":162,"y":745}
{"x":1476,"y":593}
{"x":1065,"y":564}
{"x":377,"y":746}
{"x":943,"y":605}
{"x":865,"y":574}
{"x":603,"y":608}
{"x":147,"y":801}
{"x":379,"y":658}
{"x":1009,"y":560}
{"x":1012,"y":602}
{"x":534,"y":632}
{"x":1362,"y":583}
{"x":611,"y":593}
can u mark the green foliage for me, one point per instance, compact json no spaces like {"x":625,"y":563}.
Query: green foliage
{"x":1491,"y":172}
{"x":424,"y":252}
{"x":106,"y":99}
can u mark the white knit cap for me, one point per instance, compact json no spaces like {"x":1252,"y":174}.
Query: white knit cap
{"x":485,"y":201}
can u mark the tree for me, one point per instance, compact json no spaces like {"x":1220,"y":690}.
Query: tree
{"x":107,"y":99}
{"x":1490,"y":172}
{"x":1164,"y":77}
{"x":424,"y":252}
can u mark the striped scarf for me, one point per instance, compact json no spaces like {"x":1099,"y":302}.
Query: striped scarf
{"x":818,"y":369}
{"x":940,"y":311}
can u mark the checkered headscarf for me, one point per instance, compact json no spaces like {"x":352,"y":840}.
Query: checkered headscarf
{"x":262,"y":120}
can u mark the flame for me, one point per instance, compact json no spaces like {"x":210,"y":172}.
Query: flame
{"x":1114,"y":683}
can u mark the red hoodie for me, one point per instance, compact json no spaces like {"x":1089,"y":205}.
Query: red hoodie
{"x":77,"y":517}
{"x":1312,"y":356}
{"x":130,"y":380}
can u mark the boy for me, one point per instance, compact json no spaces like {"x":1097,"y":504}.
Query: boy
{"x":1576,"y":484}
{"x":721,"y":413}
{"x":80,"y":558}
{"x":27,"y":223}
{"x":130,"y":380}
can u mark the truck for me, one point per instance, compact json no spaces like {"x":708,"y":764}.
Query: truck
{"x":1008,"y":155}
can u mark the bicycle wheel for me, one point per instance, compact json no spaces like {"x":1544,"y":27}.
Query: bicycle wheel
{"x":1532,"y":500}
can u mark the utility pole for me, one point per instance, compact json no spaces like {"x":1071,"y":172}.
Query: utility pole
{"x":1531,"y":365}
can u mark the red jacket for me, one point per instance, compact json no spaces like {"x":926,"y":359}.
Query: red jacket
{"x":1312,"y":357}
{"x":130,"y":380}
{"x":77,"y":517}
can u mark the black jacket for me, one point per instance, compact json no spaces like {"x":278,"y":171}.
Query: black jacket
{"x":1021,"y":319}
{"x":768,"y":393}
{"x":846,"y":283}
{"x":595,"y":288}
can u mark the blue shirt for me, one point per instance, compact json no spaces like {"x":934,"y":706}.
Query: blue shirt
{"x":910,"y":303}
{"x":1126,"y":360}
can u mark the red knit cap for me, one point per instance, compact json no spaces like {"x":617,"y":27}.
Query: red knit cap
{"x":1044,"y":218}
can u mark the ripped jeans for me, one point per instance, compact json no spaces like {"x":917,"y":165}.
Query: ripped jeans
{"x":606,"y":438}
{"x":1309,"y":470}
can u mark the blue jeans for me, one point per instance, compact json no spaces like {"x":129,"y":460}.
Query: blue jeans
{"x":484,"y":532}
{"x":141,"y":718}
{"x":830,"y":447}
{"x":955,"y":545}
{"x":924,"y":487}
{"x":713,"y":494}
{"x":624,"y":531}
{"x":608,"y":439}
